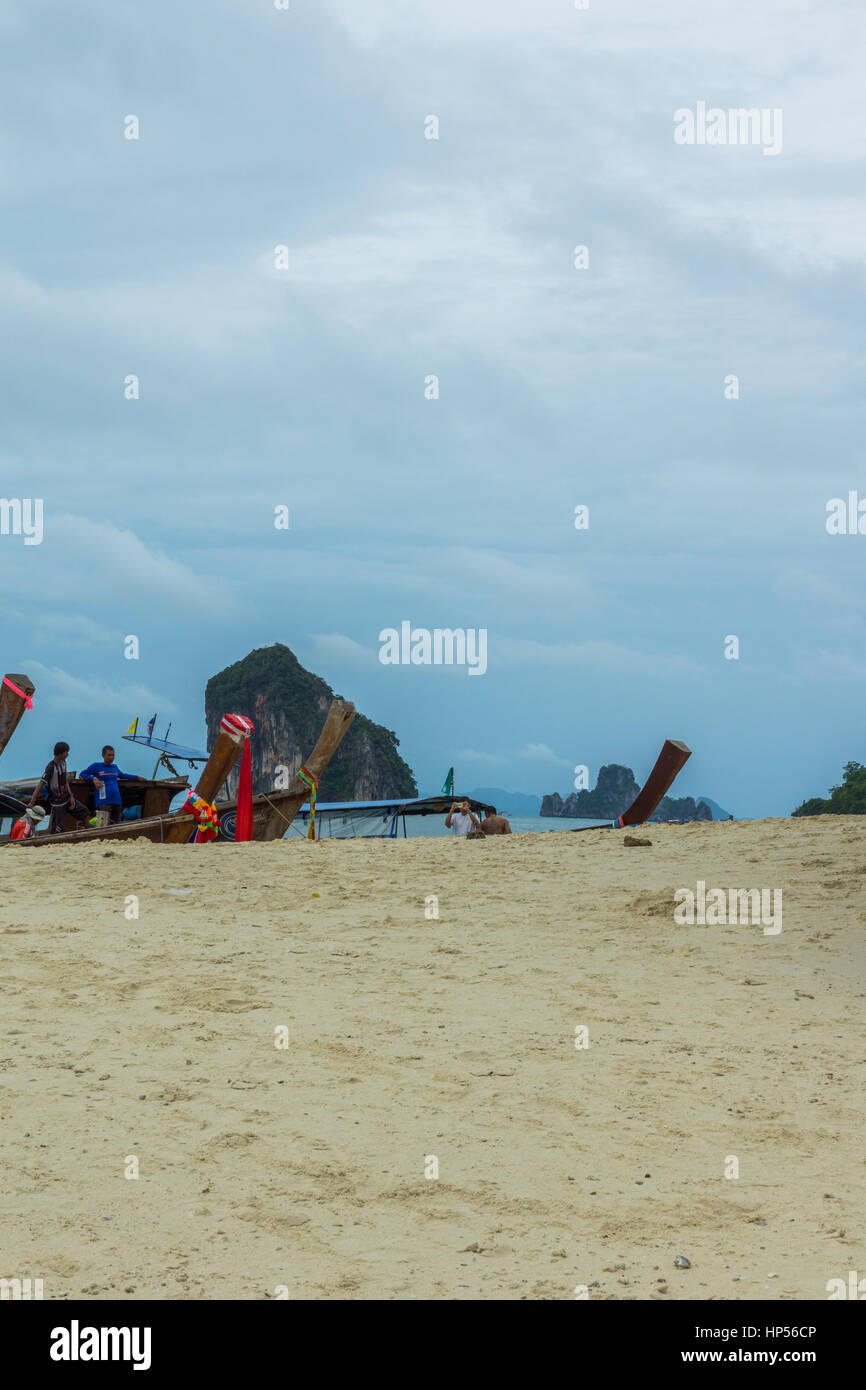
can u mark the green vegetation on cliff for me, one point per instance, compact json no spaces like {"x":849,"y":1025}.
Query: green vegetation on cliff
{"x":849,"y":799}
{"x":287,"y":705}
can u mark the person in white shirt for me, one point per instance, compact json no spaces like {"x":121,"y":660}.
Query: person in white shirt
{"x":460,"y":820}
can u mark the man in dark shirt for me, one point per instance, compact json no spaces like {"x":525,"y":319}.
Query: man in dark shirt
{"x":53,"y":786}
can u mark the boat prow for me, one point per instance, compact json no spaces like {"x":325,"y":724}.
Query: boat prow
{"x":273,"y":812}
{"x":670,"y":761}
{"x":16,"y":695}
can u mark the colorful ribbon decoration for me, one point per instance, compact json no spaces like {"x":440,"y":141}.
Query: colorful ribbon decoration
{"x":206,"y":818}
{"x":28,"y":701}
{"x":313,"y":783}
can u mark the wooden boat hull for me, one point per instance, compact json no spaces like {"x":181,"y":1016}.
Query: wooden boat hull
{"x":11,"y":806}
{"x":273,"y":812}
{"x":668,"y":764}
{"x":154,"y":796}
{"x":12,"y":706}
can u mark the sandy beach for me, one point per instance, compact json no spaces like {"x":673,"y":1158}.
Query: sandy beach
{"x":412,"y":1039}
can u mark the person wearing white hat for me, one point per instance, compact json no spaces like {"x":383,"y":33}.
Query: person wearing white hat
{"x":26,"y":825}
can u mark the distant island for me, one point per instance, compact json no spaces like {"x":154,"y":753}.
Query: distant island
{"x":849,"y":799}
{"x":613,"y":793}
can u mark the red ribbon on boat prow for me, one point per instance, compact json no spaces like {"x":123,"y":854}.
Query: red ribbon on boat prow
{"x":28,"y":699}
{"x":239,"y":727}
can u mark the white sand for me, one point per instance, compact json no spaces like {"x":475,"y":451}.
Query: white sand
{"x":411,"y":1037}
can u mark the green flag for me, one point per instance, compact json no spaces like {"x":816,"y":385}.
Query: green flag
{"x":448,"y":789}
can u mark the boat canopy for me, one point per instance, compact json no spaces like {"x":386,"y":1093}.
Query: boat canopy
{"x":376,"y":820}
{"x":176,"y":750}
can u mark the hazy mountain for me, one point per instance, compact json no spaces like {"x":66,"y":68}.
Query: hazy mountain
{"x":718,"y":812}
{"x":509,"y":803}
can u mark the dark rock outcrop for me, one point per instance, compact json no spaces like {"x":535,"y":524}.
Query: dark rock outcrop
{"x":614,"y":790}
{"x":681,"y":808}
{"x":288,"y":705}
{"x":613,"y":793}
{"x":716,"y":811}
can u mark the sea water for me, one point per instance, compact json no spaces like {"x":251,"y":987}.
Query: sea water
{"x":520,"y":825}
{"x":435,"y":825}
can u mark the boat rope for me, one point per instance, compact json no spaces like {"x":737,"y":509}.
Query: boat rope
{"x":313,"y":784}
{"x":287,"y":819}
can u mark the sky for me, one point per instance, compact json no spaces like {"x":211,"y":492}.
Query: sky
{"x":605,"y":386}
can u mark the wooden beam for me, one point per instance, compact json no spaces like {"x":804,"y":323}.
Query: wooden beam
{"x":671,"y":759}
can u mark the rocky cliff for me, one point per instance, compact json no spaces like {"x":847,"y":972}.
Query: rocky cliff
{"x":288,"y":705}
{"x":614,"y":791}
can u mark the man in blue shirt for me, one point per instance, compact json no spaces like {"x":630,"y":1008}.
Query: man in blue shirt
{"x":105,"y":776}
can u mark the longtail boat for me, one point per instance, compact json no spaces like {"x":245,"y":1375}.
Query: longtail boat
{"x":273,"y":812}
{"x":668,"y":764}
{"x":152,"y":796}
{"x":16,"y":695}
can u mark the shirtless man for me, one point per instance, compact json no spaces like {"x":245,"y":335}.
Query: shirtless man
{"x":495,"y":825}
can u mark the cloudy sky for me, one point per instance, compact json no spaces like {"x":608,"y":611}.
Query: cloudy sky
{"x":558,"y":387}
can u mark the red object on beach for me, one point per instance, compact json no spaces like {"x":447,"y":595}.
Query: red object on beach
{"x":244,"y":814}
